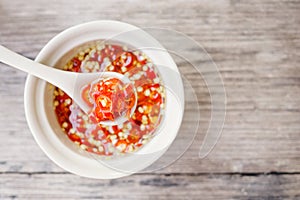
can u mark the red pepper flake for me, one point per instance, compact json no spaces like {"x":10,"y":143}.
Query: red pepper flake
{"x":125,"y":62}
{"x":74,"y":138}
{"x":151,"y":74}
{"x":76,"y":64}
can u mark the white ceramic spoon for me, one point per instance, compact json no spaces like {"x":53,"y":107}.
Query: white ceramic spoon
{"x":70,"y":82}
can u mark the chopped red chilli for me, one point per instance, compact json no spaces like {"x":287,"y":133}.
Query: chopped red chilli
{"x":128,"y":137}
{"x":111,"y":99}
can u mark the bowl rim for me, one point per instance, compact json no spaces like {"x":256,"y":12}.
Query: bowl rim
{"x":37,"y":121}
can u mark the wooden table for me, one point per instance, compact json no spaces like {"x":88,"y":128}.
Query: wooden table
{"x":256,"y":45}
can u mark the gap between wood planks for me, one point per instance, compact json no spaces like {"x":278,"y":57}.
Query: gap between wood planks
{"x":173,"y":174}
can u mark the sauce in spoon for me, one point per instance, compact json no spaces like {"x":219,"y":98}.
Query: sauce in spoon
{"x":110,"y":99}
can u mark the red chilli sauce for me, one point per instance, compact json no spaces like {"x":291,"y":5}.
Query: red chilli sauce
{"x":128,"y":137}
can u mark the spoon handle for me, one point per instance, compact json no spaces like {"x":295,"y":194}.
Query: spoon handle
{"x":59,"y":78}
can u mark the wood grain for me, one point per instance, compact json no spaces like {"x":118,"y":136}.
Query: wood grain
{"x":65,"y":186}
{"x":256,"y":45}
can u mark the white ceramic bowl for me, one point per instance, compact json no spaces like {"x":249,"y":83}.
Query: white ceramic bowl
{"x":46,"y":130}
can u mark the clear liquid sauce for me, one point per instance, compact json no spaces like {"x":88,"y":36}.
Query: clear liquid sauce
{"x":98,"y":56}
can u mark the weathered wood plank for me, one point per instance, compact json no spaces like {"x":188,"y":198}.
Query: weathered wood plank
{"x":255,"y":44}
{"x":65,"y":186}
